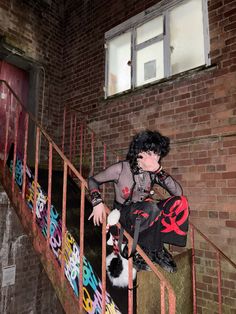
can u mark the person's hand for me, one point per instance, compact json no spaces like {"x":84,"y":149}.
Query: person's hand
{"x":98,"y":214}
{"x":148,"y":161}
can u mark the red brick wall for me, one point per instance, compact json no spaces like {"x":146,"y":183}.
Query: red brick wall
{"x":187,"y":107}
{"x":36,"y":29}
{"x":197,"y":110}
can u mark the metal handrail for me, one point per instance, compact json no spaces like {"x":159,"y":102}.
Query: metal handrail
{"x":191,"y":224}
{"x":213,"y":245}
{"x":68,"y":164}
{"x":113,"y":151}
{"x":220,"y":254}
{"x":68,"y":108}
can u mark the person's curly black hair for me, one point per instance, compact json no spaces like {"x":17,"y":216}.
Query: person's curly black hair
{"x":146,"y":141}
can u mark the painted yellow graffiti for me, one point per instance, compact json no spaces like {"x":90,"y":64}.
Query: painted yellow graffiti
{"x":30,"y":194}
{"x":41,"y":199}
{"x":87,"y":301}
{"x":110,"y":308}
{"x":69,"y":238}
{"x":69,"y":241}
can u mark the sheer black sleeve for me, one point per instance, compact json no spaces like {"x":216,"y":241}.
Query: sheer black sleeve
{"x":169,"y":183}
{"x":111,"y":174}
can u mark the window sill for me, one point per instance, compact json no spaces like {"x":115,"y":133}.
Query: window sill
{"x":165,"y":81}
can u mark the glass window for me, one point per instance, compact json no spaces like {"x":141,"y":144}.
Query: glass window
{"x":186,"y":36}
{"x":150,"y":29}
{"x":150,"y":64}
{"x":119,"y":69}
{"x":171,"y":40}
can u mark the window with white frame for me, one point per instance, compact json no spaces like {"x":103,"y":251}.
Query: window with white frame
{"x":169,"y":38}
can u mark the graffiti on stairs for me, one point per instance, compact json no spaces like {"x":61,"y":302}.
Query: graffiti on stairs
{"x":92,"y":286}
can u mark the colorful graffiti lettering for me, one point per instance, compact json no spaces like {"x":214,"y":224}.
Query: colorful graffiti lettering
{"x":92,"y":286}
{"x":18,"y":172}
{"x":18,"y":169}
{"x":41,"y":198}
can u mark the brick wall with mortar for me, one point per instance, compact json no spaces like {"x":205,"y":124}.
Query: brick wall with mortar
{"x":197,"y":110}
{"x":37,"y":30}
{"x":32,"y":291}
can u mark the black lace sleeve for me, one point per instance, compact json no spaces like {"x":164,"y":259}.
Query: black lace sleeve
{"x":169,"y":183}
{"x":111,"y":174}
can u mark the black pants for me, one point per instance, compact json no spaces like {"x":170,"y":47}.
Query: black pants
{"x":162,"y":222}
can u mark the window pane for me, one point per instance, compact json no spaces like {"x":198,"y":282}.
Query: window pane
{"x":150,"y":29}
{"x":119,"y":74}
{"x":150,"y":64}
{"x":186,"y":36}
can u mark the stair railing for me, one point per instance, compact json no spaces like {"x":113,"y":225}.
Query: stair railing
{"x":219,"y":256}
{"x":74,"y":121}
{"x":14,"y":109}
{"x":72,"y":115}
{"x":13,"y":133}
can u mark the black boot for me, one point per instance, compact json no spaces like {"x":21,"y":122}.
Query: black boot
{"x":139,"y":263}
{"x":163,"y":258}
{"x":166,"y":261}
{"x":168,"y":256}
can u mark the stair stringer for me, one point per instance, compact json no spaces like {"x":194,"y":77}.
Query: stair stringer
{"x":63,"y":289}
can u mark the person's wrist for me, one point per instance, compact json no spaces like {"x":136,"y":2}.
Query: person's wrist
{"x":158,"y":170}
{"x":162,"y":175}
{"x":96,"y":198}
{"x":96,"y":202}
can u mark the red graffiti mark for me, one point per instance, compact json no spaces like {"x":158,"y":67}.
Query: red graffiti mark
{"x":140,"y":213}
{"x":155,"y":220}
{"x":126,"y":192}
{"x":174,"y":225}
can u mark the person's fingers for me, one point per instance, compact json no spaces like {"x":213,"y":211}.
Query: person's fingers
{"x":101,"y":217}
{"x":142,"y":155}
{"x":90,"y":216}
{"x":95,"y":221}
{"x":97,"y":218}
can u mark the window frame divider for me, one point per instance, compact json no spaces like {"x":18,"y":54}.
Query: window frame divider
{"x":149,"y":42}
{"x":106,"y":69}
{"x":166,"y":44}
{"x":133,"y":58}
{"x":206,"y":33}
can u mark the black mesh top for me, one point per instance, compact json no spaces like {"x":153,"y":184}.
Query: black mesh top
{"x":125,"y":182}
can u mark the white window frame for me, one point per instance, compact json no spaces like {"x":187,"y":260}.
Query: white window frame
{"x":162,"y":8}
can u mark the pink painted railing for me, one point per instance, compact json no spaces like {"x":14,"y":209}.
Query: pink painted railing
{"x":78,"y":120}
{"x":218,"y":256}
{"x":10,"y":110}
{"x":80,"y":142}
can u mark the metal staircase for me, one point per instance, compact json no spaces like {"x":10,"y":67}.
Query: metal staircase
{"x":203,"y":251}
{"x":77,"y":285}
